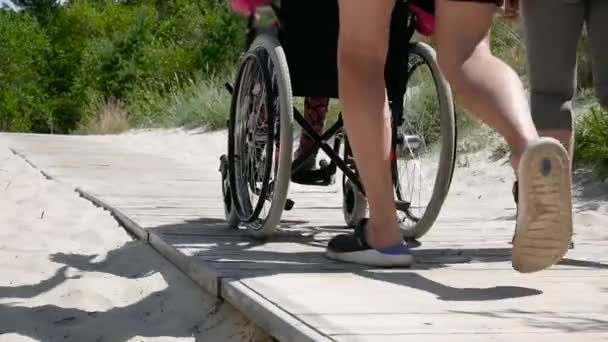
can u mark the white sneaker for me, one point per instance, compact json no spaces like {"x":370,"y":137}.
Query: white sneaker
{"x":544,"y":215}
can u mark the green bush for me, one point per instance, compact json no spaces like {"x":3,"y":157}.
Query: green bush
{"x":74,"y":27}
{"x":113,"y":65}
{"x":592,"y":140}
{"x":84,"y":53}
{"x":43,"y":11}
{"x":24,"y":103}
{"x":164,"y":48}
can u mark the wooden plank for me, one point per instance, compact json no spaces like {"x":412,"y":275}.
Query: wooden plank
{"x":476,"y":337}
{"x":436,"y":291}
{"x":463,"y":283}
{"x":205,"y":276}
{"x":460,"y":323}
{"x":269,"y":315}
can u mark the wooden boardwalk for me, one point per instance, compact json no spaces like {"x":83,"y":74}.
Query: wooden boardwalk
{"x":462,"y":289}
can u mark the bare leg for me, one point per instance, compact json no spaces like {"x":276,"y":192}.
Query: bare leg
{"x":492,"y":90}
{"x":362,"y":49}
{"x":486,"y":85}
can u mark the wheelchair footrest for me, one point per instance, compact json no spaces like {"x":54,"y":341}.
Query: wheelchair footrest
{"x":289,"y":204}
{"x":317,"y":177}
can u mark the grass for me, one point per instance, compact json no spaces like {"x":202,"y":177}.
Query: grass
{"x":110,"y":117}
{"x":592,"y":140}
{"x":508,"y":45}
{"x":199,"y":102}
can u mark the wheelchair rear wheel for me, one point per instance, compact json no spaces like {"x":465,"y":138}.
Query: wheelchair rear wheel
{"x":260,"y":136}
{"x":230,"y":214}
{"x":424,"y":144}
{"x":354,"y":203}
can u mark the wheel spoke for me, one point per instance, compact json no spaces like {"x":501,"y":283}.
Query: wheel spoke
{"x":254,"y":136}
{"x":414,"y":164}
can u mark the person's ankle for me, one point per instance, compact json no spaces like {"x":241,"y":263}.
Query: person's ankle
{"x":517,"y":149}
{"x":381,"y":236}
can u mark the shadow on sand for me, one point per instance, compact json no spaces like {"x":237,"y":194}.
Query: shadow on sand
{"x":178,"y":311}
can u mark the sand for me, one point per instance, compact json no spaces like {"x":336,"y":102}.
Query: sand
{"x":70,"y":273}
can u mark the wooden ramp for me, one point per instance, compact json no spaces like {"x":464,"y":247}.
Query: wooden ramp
{"x":462,"y":289}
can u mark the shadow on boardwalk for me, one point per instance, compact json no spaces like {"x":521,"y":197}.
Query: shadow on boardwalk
{"x":300,"y":250}
{"x":556,"y":321}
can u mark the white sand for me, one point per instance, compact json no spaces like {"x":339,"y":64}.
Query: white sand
{"x":70,"y":273}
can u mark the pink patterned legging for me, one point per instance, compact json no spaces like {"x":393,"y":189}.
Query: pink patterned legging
{"x":315,"y":111}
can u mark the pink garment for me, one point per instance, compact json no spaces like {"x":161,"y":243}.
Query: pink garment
{"x":248,"y":6}
{"x":426,"y":20}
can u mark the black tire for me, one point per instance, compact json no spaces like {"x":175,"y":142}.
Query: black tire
{"x":354,"y":204}
{"x":428,"y":134}
{"x":230,"y":214}
{"x":260,"y":136}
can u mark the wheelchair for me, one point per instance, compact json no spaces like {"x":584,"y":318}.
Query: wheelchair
{"x":279,"y":65}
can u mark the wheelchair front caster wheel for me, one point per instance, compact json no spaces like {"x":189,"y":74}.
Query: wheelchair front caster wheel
{"x":354,"y":204}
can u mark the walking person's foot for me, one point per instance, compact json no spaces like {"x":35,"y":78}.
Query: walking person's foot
{"x":354,"y":248}
{"x":515,"y":192}
{"x":544,"y":214}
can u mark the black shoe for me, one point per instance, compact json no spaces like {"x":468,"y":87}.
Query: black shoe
{"x":305,"y":172}
{"x":353,"y":248}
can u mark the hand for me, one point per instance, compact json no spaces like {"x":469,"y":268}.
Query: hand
{"x":511,"y":9}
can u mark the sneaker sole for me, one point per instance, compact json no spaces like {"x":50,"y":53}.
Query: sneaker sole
{"x":372,"y":258}
{"x":544,"y":220}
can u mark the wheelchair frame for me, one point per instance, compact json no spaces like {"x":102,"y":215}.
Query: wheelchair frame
{"x":397,"y":75}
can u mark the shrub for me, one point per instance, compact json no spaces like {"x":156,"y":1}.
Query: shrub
{"x":592,"y":140}
{"x":24,"y":103}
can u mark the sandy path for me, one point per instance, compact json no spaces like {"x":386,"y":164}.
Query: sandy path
{"x":70,"y":273}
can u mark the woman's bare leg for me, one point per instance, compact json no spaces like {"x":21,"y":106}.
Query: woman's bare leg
{"x":362,"y":49}
{"x":492,"y":90}
{"x":486,"y":85}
